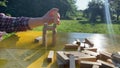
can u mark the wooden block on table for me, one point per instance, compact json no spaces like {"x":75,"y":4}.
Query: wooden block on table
{"x":87,"y":58}
{"x":50,"y":56}
{"x":105,"y":64}
{"x":78,"y":41}
{"x":71,"y":46}
{"x":91,"y":49}
{"x":88,"y":64}
{"x":89,"y":42}
{"x":95,"y":66}
{"x":105,"y":55}
{"x":60,"y":63}
{"x":110,"y":61}
{"x":37,"y":39}
{"x":50,"y":27}
{"x":62,"y":57}
{"x":72,"y":61}
{"x":116,"y":57}
{"x":91,"y":53}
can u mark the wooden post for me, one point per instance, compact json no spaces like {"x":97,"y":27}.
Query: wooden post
{"x":54,"y":34}
{"x":52,"y":28}
{"x":44,"y":34}
{"x":72,"y":61}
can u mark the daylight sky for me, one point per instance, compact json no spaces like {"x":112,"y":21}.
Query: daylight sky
{"x":82,"y":4}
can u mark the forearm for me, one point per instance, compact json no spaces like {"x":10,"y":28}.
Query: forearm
{"x":34,"y":22}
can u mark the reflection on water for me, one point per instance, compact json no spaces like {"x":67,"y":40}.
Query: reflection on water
{"x":99,"y":41}
{"x":31,"y":54}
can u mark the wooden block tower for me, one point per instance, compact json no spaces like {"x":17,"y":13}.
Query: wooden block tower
{"x":50,"y":28}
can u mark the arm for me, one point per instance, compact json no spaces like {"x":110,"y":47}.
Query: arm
{"x":15,"y":24}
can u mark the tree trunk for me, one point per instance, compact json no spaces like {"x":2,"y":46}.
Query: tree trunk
{"x":117,"y":17}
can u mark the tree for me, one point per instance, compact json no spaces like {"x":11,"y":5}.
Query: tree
{"x":115,"y":5}
{"x":3,"y":5}
{"x":95,"y":9}
{"x":35,"y":8}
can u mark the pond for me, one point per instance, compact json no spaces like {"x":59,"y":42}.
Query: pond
{"x":20,"y":51}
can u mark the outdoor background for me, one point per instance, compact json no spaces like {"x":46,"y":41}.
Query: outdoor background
{"x":85,"y":16}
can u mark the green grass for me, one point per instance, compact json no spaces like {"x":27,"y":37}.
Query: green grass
{"x":83,"y":27}
{"x":79,"y":26}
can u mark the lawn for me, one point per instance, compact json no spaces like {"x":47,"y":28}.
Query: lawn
{"x":83,"y":27}
{"x":80,"y":26}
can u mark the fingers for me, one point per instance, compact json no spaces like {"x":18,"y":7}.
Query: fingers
{"x":52,"y":16}
{"x":53,"y":11}
{"x":57,"y":16}
{"x":58,"y":22}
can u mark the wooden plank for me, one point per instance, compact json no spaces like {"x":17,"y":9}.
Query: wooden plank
{"x":71,"y":46}
{"x":89,"y":42}
{"x":110,"y":61}
{"x":91,"y":49}
{"x":50,"y":27}
{"x":80,"y":56}
{"x":105,"y":64}
{"x":50,"y":56}
{"x":60,"y":63}
{"x":105,"y":55}
{"x":62,"y":57}
{"x":91,"y":53}
{"x":88,"y":64}
{"x":116,"y":57}
{"x":72,"y":61}
{"x":95,"y":66}
{"x":87,"y":58}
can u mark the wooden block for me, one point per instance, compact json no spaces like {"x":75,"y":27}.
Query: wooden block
{"x":37,"y":39}
{"x":95,"y":66}
{"x":116,"y":57}
{"x":105,"y":64}
{"x":91,"y":53}
{"x":88,"y":58}
{"x":110,"y":61}
{"x":71,"y":46}
{"x":50,"y":56}
{"x":89,"y":42}
{"x":50,"y":27}
{"x":105,"y":55}
{"x":78,"y":41}
{"x":72,"y":61}
{"x":88,"y":64}
{"x":91,"y":49}
{"x":60,"y":63}
{"x":63,"y":57}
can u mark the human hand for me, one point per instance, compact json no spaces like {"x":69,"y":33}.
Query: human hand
{"x":49,"y":17}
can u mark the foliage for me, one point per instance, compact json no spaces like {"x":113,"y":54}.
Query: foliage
{"x":35,"y":8}
{"x":83,"y":27}
{"x":115,"y":5}
{"x":3,"y":3}
{"x":95,"y":10}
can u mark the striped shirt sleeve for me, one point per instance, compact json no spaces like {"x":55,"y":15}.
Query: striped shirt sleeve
{"x":13,"y":24}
